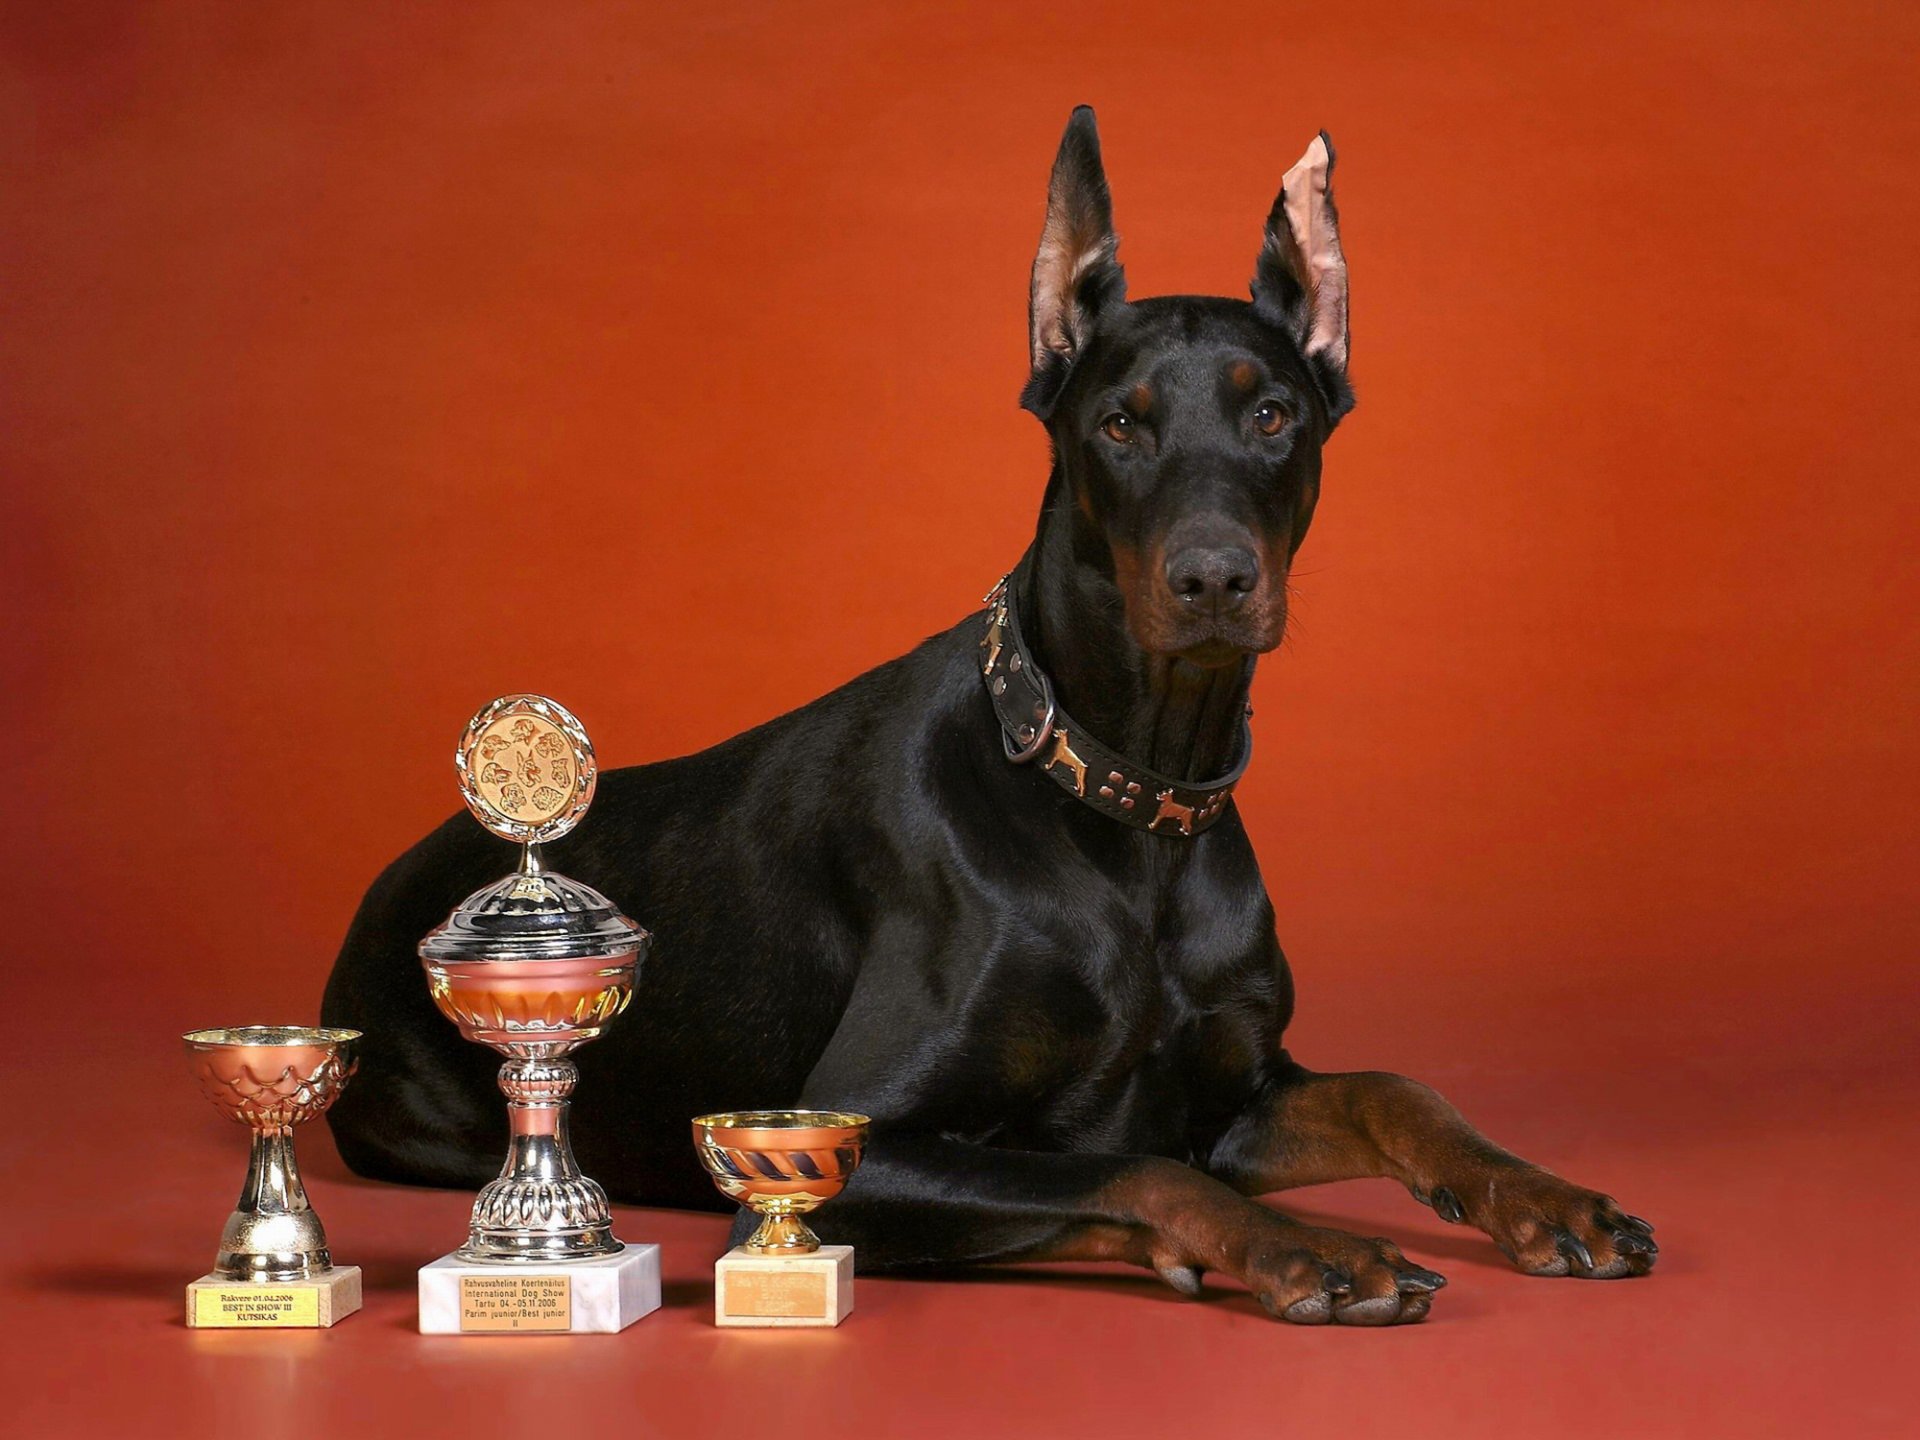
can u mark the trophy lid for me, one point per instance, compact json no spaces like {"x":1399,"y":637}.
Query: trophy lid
{"x":534,"y":915}
{"x":527,"y":773}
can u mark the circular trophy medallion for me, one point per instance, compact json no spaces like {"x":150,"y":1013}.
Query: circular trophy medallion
{"x":526,"y":768}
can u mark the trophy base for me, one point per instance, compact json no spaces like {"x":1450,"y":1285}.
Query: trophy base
{"x":574,"y":1297}
{"x":215,"y":1302}
{"x":783,"y":1291}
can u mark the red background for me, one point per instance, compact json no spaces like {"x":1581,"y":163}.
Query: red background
{"x":359,"y":363}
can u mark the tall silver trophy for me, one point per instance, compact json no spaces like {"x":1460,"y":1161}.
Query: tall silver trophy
{"x":535,"y":965}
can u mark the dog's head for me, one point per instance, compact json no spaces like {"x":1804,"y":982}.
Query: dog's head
{"x":1188,"y":429}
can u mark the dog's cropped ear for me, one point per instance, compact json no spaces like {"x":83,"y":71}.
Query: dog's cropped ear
{"x":1075,"y":273}
{"x":1300,"y":283}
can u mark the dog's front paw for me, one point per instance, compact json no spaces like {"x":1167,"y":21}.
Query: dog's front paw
{"x":1309,"y":1276}
{"x":1547,"y":1226}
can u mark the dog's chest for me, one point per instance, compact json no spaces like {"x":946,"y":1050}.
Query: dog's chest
{"x":1147,"y":1038}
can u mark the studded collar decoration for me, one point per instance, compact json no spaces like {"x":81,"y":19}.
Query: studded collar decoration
{"x":1034,"y":727}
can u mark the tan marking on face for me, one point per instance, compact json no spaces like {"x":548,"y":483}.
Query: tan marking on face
{"x":1242,"y":375}
{"x":1263,"y":614}
{"x":1140,"y":398}
{"x":1134,"y":576}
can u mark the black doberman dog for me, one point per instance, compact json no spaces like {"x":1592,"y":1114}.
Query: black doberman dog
{"x":995,"y":893}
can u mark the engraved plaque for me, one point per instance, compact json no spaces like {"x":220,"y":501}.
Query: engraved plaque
{"x":515,"y":1303}
{"x":526,"y":768}
{"x":767,"y":1294}
{"x":236,"y":1307}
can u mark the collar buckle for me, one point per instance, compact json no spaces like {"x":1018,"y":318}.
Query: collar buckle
{"x":1020,"y":755}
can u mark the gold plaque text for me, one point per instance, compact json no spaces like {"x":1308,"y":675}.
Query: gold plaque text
{"x":515,"y":1302}
{"x":765,"y":1294}
{"x":262,"y":1305}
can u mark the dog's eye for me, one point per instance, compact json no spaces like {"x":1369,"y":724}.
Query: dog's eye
{"x":1118,"y":428}
{"x":1270,"y":418}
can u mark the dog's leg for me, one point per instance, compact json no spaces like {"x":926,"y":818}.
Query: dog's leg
{"x":1307,"y":1129}
{"x":921,"y":1202}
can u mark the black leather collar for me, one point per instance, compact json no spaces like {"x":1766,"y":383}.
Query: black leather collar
{"x":1034,"y":727}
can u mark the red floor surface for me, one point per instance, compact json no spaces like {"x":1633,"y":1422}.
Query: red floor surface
{"x":361,"y":362}
{"x":1782,"y":1192}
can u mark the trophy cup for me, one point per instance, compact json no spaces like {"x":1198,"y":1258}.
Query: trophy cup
{"x":272,"y":1269}
{"x":781,"y":1164}
{"x":534,"y":965}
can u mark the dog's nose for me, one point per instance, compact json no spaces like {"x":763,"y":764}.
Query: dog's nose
{"x":1213,"y":579}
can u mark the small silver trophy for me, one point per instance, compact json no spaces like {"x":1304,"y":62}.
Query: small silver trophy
{"x":273,"y":1268}
{"x":535,"y":965}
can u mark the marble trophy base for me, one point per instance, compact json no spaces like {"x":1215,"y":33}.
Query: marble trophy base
{"x":570,"y":1297}
{"x":783,"y":1290}
{"x":215,"y":1302}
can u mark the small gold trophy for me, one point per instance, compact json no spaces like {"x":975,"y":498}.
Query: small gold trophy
{"x":273,"y":1268}
{"x":535,"y":965}
{"x":781,"y":1164}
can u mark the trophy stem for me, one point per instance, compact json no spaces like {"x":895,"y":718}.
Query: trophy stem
{"x":782,"y":1232}
{"x":541,"y":1208}
{"x":273,"y":1233}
